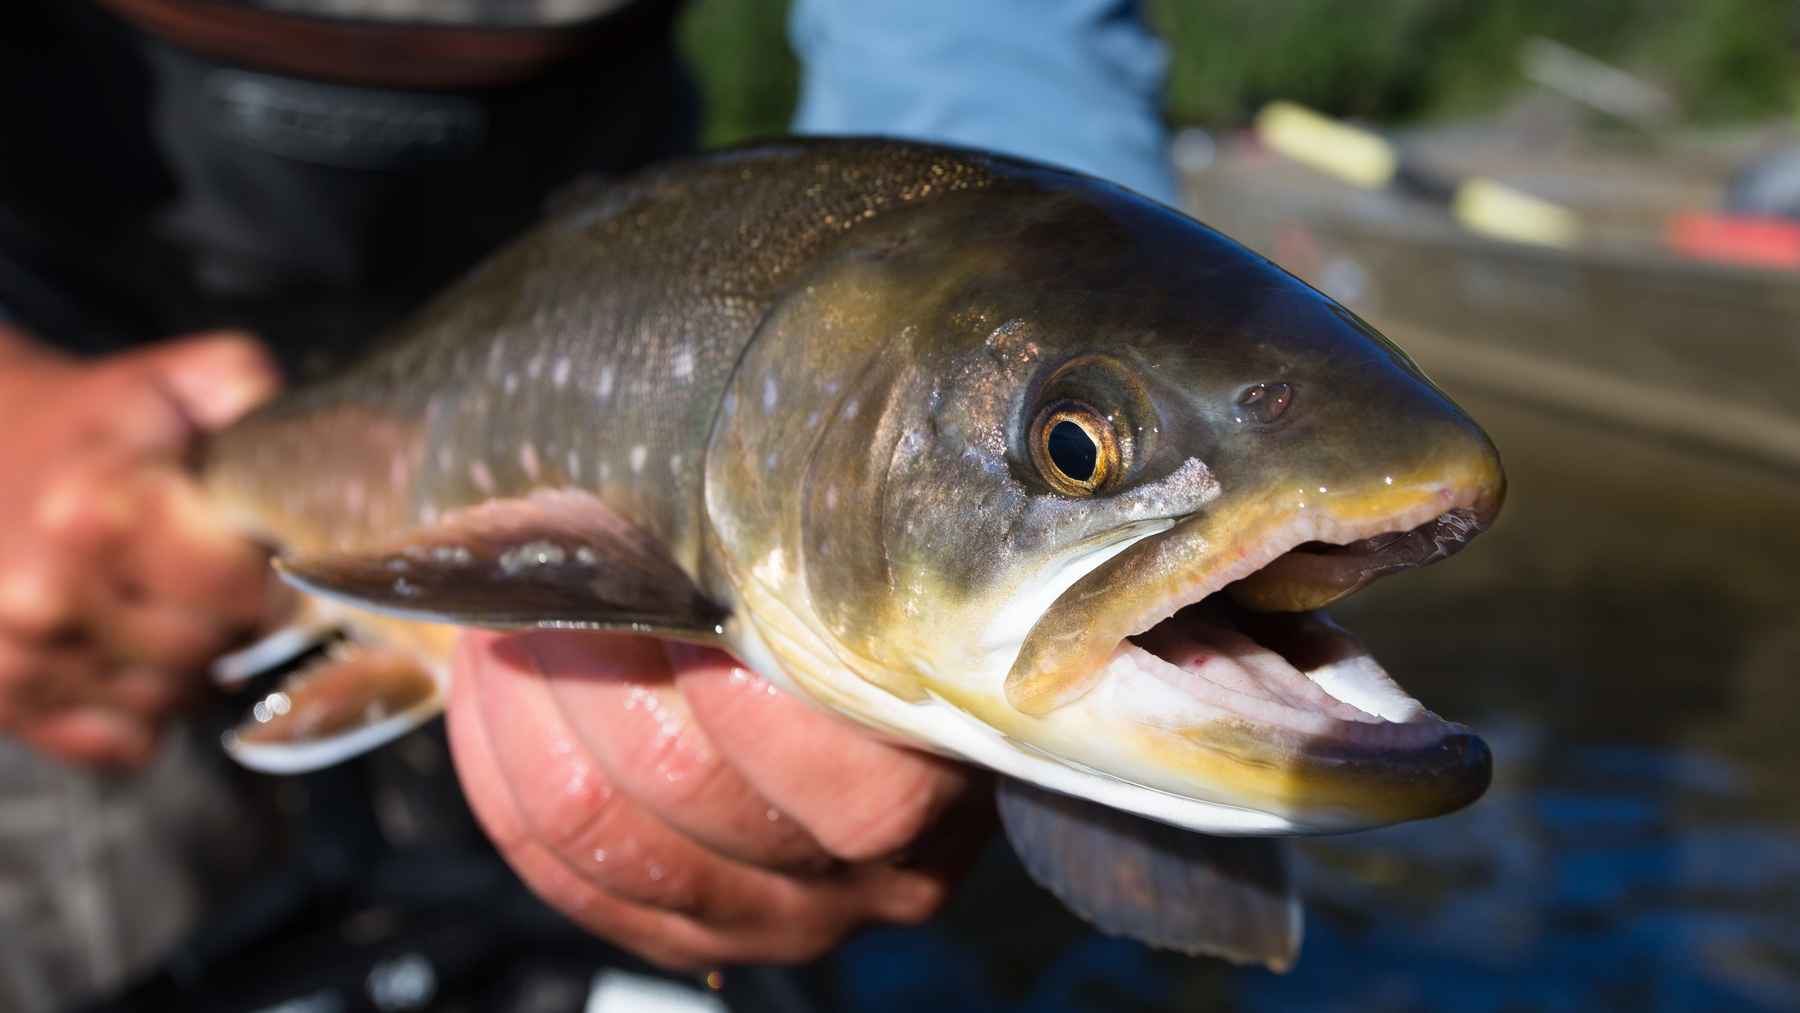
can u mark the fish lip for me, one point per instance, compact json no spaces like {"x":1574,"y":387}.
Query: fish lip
{"x":1461,"y":513}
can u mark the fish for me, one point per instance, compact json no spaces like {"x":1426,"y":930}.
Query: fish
{"x":997,"y":460}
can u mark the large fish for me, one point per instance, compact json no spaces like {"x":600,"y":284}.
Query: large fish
{"x":1001,"y":461}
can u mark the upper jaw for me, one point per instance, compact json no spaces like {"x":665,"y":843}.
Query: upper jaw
{"x":1246,"y":542}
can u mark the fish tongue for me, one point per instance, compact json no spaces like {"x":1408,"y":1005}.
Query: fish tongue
{"x":1226,"y":647}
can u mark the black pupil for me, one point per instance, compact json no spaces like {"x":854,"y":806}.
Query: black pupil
{"x":1073,"y":451}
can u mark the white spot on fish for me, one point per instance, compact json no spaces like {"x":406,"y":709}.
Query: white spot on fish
{"x":605,"y":470}
{"x":535,"y":367}
{"x":482,"y":477}
{"x":831,"y":497}
{"x":451,"y":555}
{"x":771,"y":393}
{"x":675,"y":463}
{"x":573,"y":462}
{"x":639,"y":454}
{"x":683,"y":366}
{"x":532,"y":554}
{"x":528,"y":461}
{"x":605,"y":386}
{"x":812,"y":419}
{"x":731,"y":404}
{"x":559,"y":375}
{"x":851,"y":407}
{"x":511,"y":385}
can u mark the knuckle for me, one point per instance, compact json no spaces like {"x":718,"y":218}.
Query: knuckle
{"x":675,"y":887}
{"x":565,"y":820}
{"x":35,"y":605}
{"x":882,"y":823}
{"x":673,"y":777}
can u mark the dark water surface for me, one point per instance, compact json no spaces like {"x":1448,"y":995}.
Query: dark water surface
{"x":1626,"y":639}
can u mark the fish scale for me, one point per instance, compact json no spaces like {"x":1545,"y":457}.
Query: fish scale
{"x":794,"y":400}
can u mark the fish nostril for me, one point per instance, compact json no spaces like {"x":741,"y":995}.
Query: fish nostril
{"x":1263,"y":402}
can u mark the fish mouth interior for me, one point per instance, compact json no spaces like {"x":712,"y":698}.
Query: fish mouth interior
{"x":1253,"y":653}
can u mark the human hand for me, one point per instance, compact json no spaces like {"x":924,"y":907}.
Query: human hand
{"x":674,"y":803}
{"x":116,"y":585}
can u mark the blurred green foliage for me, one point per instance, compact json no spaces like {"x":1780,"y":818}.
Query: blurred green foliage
{"x":738,"y":53}
{"x":1384,"y":60}
{"x":1410,"y":59}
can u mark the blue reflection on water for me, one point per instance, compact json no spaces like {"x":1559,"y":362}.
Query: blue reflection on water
{"x":1588,"y":883}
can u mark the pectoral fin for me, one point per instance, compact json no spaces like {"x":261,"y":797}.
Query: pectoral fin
{"x":349,"y":702}
{"x":1227,"y":897}
{"x":560,"y":559}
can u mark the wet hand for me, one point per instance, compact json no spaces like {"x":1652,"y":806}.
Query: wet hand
{"x":116,"y":585}
{"x":674,"y":803}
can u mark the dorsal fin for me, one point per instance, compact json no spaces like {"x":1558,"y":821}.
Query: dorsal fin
{"x":560,"y":559}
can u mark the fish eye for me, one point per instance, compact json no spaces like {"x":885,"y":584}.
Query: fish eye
{"x":1075,"y":448}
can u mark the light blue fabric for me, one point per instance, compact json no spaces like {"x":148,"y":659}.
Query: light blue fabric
{"x":1076,"y":83}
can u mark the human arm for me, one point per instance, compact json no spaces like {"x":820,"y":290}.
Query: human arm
{"x":1076,"y":83}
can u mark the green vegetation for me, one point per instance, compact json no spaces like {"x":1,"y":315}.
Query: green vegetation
{"x":1394,"y":60}
{"x":1384,"y":60}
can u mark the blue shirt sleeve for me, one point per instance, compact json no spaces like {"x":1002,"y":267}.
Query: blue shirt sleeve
{"x":1076,"y":83}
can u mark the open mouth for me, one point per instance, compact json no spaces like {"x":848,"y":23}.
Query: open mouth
{"x":1249,"y":693}
{"x":1259,"y":650}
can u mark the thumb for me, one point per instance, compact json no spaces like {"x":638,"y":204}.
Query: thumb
{"x":215,"y":377}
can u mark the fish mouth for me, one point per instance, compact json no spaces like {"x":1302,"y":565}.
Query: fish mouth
{"x":1239,"y":688}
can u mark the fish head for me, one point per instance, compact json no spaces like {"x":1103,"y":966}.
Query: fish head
{"x":1087,"y":471}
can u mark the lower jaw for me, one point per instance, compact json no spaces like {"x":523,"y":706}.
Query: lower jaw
{"x":1320,"y":772}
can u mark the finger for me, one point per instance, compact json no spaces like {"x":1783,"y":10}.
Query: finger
{"x":40,"y":596}
{"x":862,"y":799}
{"x":799,"y":919}
{"x":570,"y":808}
{"x":183,"y":555}
{"x":36,"y":679}
{"x":213,"y":378}
{"x":662,"y":937}
{"x":92,"y":736}
{"x":617,"y":694}
{"x":152,"y":633}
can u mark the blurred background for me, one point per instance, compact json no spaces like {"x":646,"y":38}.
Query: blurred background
{"x":1628,"y":637}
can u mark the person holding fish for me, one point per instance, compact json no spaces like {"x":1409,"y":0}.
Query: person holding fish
{"x":661,"y":794}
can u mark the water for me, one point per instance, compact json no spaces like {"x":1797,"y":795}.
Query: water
{"x":1626,"y":639}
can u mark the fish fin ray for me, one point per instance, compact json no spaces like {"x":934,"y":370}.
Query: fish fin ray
{"x":558,"y":559}
{"x":271,"y":652}
{"x":355,"y":699}
{"x":1228,"y":897}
